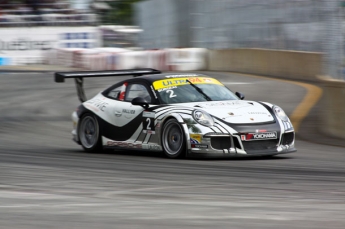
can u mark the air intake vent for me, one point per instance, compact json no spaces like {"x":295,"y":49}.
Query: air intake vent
{"x":220,"y":142}
{"x":288,"y":138}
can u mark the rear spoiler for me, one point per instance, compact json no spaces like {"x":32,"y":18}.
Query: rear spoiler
{"x":79,"y":76}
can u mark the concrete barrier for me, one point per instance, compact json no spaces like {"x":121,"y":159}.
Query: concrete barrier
{"x":187,"y":59}
{"x":332,"y":114}
{"x":276,"y":63}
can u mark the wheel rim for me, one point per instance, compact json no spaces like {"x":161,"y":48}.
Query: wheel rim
{"x":172,"y":138}
{"x":88,"y":132}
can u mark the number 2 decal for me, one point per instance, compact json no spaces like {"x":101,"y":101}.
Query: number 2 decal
{"x":172,"y":95}
{"x":148,"y":125}
{"x":148,"y":122}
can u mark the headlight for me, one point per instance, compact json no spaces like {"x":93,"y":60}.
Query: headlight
{"x":280,"y":113}
{"x":203,"y":118}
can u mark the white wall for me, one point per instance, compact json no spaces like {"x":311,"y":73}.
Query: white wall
{"x":28,"y":45}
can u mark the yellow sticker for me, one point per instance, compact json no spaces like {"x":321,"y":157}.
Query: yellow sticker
{"x":166,"y":83}
{"x":196,"y":137}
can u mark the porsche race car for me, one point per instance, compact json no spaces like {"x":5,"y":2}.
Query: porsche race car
{"x":180,"y":114}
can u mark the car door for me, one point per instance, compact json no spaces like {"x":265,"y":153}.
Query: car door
{"x":126,"y":118}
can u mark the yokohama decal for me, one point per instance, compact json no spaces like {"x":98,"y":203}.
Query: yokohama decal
{"x":259,"y":136}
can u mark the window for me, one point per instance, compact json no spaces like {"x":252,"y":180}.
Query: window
{"x":114,"y":93}
{"x":137,"y":90}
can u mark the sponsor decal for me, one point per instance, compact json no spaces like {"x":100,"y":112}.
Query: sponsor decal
{"x":152,"y":147}
{"x":168,"y":88}
{"x":200,"y":146}
{"x":135,"y":146}
{"x":194,"y":141}
{"x":259,"y":136}
{"x":160,"y":84}
{"x":149,"y":132}
{"x":195,"y":137}
{"x":147,"y":114}
{"x":97,"y":103}
{"x":153,"y":91}
{"x":257,"y":113}
{"x":125,"y":144}
{"x":127,"y":111}
{"x":182,"y":75}
{"x":232,"y":103}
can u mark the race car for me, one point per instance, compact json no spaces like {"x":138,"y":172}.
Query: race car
{"x":180,"y":114}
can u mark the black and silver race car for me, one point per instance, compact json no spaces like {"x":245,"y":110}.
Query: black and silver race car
{"x":178,"y":114}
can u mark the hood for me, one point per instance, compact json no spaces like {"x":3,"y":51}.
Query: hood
{"x":235,"y":111}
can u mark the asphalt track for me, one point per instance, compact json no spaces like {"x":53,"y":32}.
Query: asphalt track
{"x":47,"y":181}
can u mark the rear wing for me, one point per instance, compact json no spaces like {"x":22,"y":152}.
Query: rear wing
{"x":79,"y":76}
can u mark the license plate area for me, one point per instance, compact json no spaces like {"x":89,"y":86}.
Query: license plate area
{"x":259,"y":136}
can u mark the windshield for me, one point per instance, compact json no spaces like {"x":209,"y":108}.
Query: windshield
{"x":192,"y":89}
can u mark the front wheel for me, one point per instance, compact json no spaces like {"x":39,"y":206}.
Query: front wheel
{"x":173,"y":139}
{"x":89,"y":134}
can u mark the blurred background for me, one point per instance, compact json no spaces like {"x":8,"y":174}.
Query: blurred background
{"x":30,"y":28}
{"x":47,"y":182}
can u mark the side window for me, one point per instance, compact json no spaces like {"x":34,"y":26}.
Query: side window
{"x":114,"y":93}
{"x":137,"y":90}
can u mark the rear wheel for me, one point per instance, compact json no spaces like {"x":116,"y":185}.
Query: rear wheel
{"x":173,"y":139}
{"x":89,"y":134}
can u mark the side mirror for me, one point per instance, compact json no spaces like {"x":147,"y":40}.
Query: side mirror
{"x":139,"y":101}
{"x":239,"y":95}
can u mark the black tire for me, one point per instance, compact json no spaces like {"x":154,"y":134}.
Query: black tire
{"x":173,"y":139}
{"x":89,"y":133}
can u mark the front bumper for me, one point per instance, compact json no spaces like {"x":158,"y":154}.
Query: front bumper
{"x":215,"y":145}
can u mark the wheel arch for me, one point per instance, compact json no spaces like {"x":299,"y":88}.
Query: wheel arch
{"x":99,"y":143}
{"x":82,"y":111}
{"x":179,"y":118}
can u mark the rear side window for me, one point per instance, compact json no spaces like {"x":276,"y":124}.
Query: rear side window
{"x":114,"y":93}
{"x":137,"y":90}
